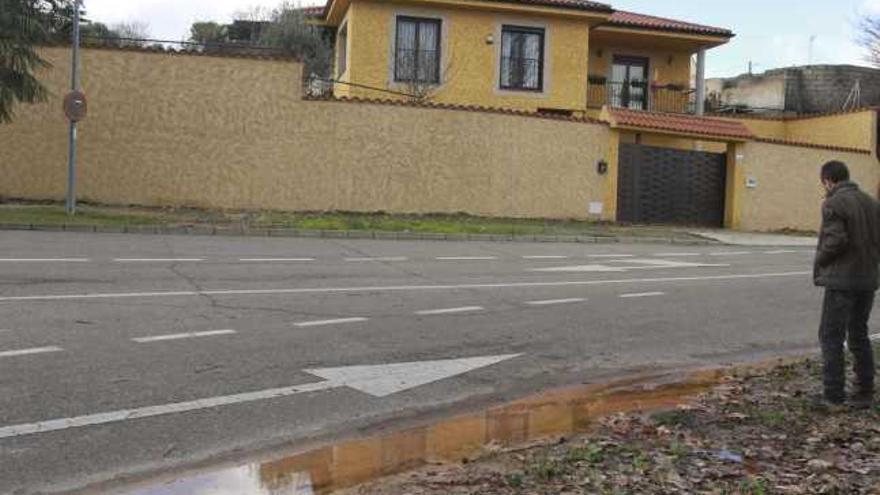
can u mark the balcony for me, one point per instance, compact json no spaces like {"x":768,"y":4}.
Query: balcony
{"x":640,"y":95}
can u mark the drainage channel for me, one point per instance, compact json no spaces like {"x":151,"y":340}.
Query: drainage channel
{"x":343,"y":465}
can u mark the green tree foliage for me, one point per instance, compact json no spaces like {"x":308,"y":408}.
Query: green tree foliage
{"x":870,"y":38}
{"x":208,"y":33}
{"x":23,"y":25}
{"x":290,"y":31}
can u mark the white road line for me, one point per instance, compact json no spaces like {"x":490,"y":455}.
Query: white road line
{"x":155,"y":260}
{"x":178,"y":336}
{"x":552,"y":302}
{"x":387,"y":258}
{"x":876,"y":336}
{"x":466,"y":258}
{"x":676,"y":255}
{"x":781,"y":251}
{"x":642,"y":294}
{"x":545,"y":257}
{"x":273,"y":260}
{"x":45,"y":260}
{"x":449,"y":311}
{"x":610,"y":256}
{"x":396,"y":288}
{"x":321,"y":323}
{"x":150,"y":411}
{"x":33,"y":350}
{"x":731,"y":253}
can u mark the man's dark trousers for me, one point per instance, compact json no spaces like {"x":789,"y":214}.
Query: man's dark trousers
{"x":845,"y":316}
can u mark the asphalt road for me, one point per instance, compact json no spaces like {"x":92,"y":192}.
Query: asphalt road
{"x":91,"y":324}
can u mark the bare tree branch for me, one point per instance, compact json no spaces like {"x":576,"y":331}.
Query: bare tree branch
{"x":869,"y":38}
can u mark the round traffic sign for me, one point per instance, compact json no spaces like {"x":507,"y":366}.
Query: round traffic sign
{"x":75,"y":106}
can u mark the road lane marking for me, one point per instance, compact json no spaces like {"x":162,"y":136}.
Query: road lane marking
{"x":449,"y":311}
{"x":876,"y":336}
{"x":676,"y":255}
{"x":731,"y":253}
{"x":336,"y":321}
{"x":397,"y":288}
{"x":782,"y":251}
{"x":580,"y":269}
{"x":641,"y":294}
{"x":33,"y":350}
{"x":45,"y":260}
{"x":545,"y":257}
{"x":156,"y":260}
{"x":466,"y":258}
{"x":273,"y":260}
{"x":380,"y":380}
{"x":387,"y":258}
{"x":551,"y":302}
{"x":178,"y":336}
{"x":610,"y":256}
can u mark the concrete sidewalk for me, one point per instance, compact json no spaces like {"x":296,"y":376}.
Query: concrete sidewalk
{"x":752,"y":239}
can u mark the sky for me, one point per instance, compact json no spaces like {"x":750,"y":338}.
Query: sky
{"x":770,"y":33}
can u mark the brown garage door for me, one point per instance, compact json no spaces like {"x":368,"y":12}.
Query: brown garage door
{"x":669,"y":186}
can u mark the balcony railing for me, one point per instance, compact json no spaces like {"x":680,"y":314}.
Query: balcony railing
{"x":640,"y":95}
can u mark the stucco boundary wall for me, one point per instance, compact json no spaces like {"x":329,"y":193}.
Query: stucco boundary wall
{"x":778,"y":185}
{"x":178,"y":130}
{"x":235,"y":133}
{"x":855,"y":129}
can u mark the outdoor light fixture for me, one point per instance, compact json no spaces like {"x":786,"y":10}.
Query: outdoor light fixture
{"x":490,"y":39}
{"x":602,"y":167}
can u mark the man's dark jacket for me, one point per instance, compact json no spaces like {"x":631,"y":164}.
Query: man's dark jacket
{"x":849,"y":243}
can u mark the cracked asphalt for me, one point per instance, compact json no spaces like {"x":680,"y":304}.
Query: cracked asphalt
{"x":71,"y":305}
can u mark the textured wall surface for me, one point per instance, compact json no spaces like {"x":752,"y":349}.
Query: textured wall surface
{"x":168,"y":129}
{"x":788,"y":192}
{"x":850,"y":130}
{"x":233,"y":133}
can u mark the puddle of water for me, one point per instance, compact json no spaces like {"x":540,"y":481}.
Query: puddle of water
{"x":334,"y":467}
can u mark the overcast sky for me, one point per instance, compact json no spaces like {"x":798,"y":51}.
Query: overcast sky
{"x":770,"y":33}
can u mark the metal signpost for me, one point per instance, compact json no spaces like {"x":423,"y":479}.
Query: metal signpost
{"x":75,"y":109}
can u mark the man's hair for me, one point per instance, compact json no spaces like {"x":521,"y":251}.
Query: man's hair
{"x":835,"y":171}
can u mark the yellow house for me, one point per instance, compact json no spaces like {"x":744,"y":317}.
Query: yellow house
{"x":555,"y":56}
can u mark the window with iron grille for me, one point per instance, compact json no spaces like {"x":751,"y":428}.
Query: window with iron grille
{"x":417,"y":56}
{"x":522,"y":58}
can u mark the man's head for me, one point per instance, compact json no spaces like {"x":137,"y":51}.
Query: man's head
{"x":833,"y":173}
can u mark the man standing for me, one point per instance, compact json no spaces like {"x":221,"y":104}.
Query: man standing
{"x":847,"y":267}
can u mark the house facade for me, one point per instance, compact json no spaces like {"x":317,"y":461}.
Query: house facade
{"x":553,"y":56}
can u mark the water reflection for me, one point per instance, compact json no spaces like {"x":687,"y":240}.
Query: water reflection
{"x":557,"y":413}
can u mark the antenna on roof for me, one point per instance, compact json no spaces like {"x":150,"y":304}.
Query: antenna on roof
{"x":854,"y":100}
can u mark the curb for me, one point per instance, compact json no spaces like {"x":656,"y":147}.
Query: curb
{"x":213,"y":230}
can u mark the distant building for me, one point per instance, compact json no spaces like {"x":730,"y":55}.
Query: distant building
{"x":797,"y":90}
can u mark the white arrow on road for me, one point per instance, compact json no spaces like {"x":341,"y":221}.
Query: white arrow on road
{"x":377,"y":380}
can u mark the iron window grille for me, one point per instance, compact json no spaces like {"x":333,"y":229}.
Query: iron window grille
{"x":417,"y":50}
{"x":522,"y":58}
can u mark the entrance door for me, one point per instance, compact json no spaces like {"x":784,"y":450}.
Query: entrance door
{"x":629,"y":83}
{"x":669,"y":186}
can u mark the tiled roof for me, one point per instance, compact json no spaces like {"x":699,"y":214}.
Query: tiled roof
{"x":319,"y":11}
{"x":680,"y":124}
{"x":631,"y":19}
{"x":452,"y":106}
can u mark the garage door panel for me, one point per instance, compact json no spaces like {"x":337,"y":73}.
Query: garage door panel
{"x":669,"y":186}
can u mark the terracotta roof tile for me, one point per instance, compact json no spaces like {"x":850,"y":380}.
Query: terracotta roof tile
{"x":680,"y":123}
{"x":631,"y":19}
{"x":320,"y":11}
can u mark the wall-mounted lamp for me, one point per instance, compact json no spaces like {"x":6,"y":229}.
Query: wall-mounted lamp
{"x":602,"y":167}
{"x":490,"y":39}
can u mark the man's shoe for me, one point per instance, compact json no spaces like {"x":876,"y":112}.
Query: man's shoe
{"x":861,"y":401}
